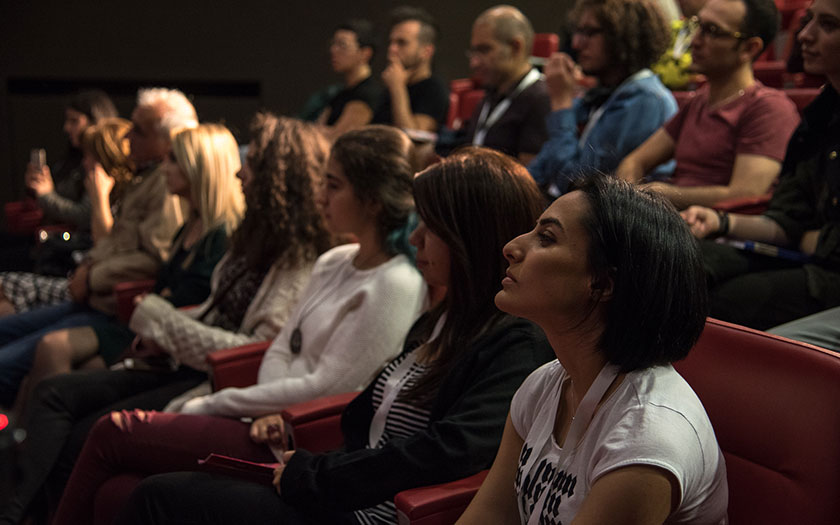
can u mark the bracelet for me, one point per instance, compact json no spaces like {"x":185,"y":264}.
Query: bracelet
{"x":723,"y":226}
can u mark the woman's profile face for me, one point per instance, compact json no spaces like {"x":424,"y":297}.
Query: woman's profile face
{"x":75,"y":124}
{"x":343,"y":211}
{"x":177,"y":182}
{"x":548,"y":279}
{"x":432,"y":255}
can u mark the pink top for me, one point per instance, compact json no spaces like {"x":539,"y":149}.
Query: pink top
{"x":759,"y":122}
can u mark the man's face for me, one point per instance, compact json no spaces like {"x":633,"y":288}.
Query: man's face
{"x":491,"y":61}
{"x":147,"y":144}
{"x":718,"y":52}
{"x":588,"y":40}
{"x":404,"y":43}
{"x":345,"y":53}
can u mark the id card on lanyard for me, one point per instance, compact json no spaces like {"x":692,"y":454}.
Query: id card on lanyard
{"x":487,"y":119}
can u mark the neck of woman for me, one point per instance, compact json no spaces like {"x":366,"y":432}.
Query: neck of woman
{"x":371,"y":251}
{"x":579,"y":352}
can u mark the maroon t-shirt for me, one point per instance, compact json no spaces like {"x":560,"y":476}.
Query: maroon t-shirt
{"x":707,"y":140}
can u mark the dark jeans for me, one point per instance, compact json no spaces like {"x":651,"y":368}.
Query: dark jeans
{"x":62,"y":411}
{"x":756,"y":290}
{"x":197,"y":497}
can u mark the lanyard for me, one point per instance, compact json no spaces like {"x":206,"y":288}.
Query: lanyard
{"x":486,"y":122}
{"x":392,"y":388}
{"x":596,"y":116}
{"x":580,"y":422}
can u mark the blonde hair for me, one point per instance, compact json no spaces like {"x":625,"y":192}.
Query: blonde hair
{"x":209,"y":157}
{"x":106,"y":141}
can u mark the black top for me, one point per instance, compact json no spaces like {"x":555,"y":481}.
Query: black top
{"x":187,"y":272}
{"x":808,"y":194}
{"x":368,"y":91}
{"x":465,"y":428}
{"x":429,"y":97}
{"x":521,"y":129}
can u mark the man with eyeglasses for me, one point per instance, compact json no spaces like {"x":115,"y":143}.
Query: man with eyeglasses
{"x":729,"y":139}
{"x":351,"y":51}
{"x":511,"y":116}
{"x":414,"y":98}
{"x":616,"y":41}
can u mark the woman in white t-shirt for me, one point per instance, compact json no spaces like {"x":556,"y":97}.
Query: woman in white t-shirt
{"x":608,"y":433}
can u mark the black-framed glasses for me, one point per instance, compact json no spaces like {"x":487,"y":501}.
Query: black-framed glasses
{"x":713,"y":30}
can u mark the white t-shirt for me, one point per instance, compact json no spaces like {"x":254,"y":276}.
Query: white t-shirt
{"x":653,"y":418}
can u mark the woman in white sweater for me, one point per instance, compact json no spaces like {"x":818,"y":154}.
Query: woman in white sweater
{"x":362,"y":298}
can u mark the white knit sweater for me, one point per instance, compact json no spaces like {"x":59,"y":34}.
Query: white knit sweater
{"x":188,"y":340}
{"x":352,"y":323}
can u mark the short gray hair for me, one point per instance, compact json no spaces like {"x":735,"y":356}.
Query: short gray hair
{"x":175,"y":109}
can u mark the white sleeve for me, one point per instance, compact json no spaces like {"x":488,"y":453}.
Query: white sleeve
{"x":369,"y":332}
{"x":527,"y":400}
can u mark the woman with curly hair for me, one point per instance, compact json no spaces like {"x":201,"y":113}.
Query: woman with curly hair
{"x":616,"y":42}
{"x":252,"y":292}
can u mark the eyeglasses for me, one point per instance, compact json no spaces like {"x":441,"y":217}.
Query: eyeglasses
{"x":587,"y":31}
{"x":713,"y":31}
{"x":342,"y":45}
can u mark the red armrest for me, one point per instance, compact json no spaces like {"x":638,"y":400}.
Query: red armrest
{"x":747,"y":205}
{"x":437,"y":504}
{"x":126,"y":292}
{"x":237,"y":366}
{"x":23,"y":216}
{"x":316,"y":425}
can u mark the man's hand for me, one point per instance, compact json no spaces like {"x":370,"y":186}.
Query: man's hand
{"x":562,"y":77}
{"x":78,"y":284}
{"x":394,"y":75}
{"x":39,"y":180}
{"x":701,"y":221}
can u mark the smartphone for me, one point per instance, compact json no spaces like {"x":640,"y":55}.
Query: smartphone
{"x":38,"y":157}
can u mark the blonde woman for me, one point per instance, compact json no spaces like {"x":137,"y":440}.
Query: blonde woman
{"x":201,"y":169}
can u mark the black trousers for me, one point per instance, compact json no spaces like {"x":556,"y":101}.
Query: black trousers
{"x":756,"y":290}
{"x":61,"y":413}
{"x":198,"y":497}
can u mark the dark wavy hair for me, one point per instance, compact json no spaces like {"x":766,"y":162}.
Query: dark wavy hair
{"x":282,"y":222}
{"x":95,"y":104}
{"x":379,"y":162}
{"x":636,"y":32}
{"x":659,"y":298}
{"x":476,"y":200}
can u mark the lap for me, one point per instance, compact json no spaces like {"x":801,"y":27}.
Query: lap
{"x":195,"y":497}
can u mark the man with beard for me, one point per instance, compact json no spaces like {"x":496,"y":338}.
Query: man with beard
{"x":729,"y":140}
{"x":415,"y":99}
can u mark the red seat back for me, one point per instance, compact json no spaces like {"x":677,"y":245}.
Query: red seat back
{"x":773,"y":405}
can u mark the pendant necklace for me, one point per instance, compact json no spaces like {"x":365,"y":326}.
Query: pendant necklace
{"x":296,"y":339}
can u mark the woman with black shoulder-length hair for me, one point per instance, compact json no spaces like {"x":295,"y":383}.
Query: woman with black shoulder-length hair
{"x":609,"y":432}
{"x":435,"y":413}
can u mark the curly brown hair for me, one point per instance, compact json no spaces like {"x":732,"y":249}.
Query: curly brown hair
{"x":106,"y":141}
{"x":282,"y":222}
{"x":636,"y":31}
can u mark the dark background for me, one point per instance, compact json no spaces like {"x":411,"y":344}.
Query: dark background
{"x":231,"y":58}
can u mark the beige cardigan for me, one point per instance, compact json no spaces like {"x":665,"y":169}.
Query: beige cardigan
{"x":139,"y":240}
{"x":189,"y":340}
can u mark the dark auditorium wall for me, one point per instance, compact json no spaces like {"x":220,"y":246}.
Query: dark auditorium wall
{"x":232,"y":57}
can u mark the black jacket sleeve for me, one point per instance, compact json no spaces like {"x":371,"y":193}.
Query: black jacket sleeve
{"x":463,"y":435}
